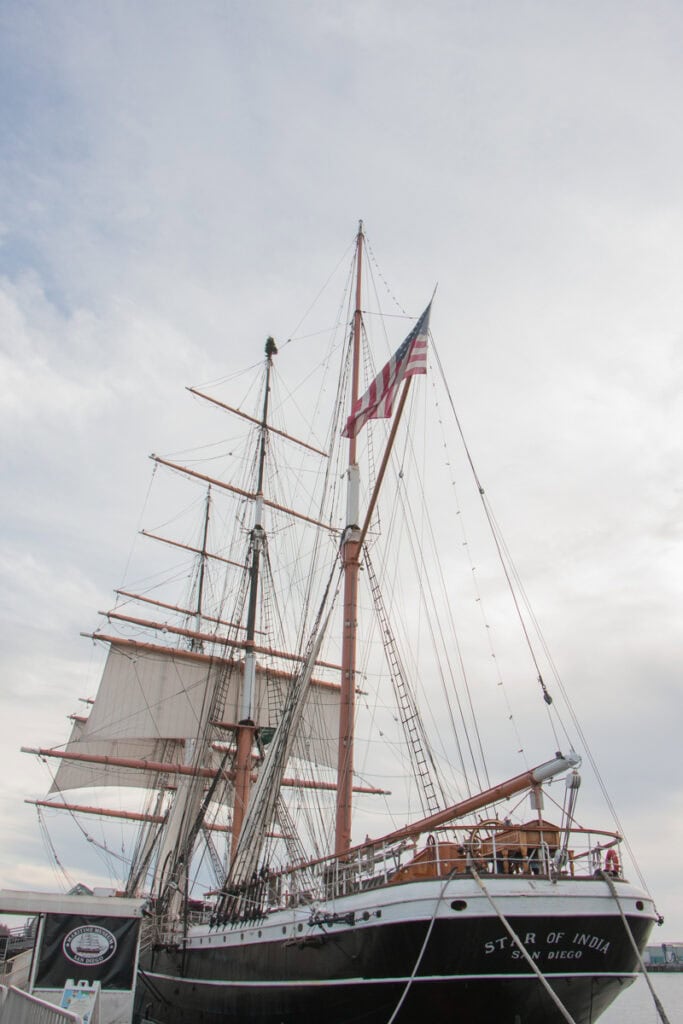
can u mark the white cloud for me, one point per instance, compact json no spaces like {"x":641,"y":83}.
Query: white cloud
{"x":176,"y":185}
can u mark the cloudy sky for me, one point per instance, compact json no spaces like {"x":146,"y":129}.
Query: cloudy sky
{"x":177,"y":181}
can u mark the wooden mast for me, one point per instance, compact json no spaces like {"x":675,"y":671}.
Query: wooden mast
{"x":245,"y":729}
{"x":351,"y":549}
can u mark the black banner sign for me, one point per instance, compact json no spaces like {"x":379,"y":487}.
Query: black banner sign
{"x":87,"y":948}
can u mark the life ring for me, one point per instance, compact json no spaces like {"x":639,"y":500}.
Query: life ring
{"x":612,"y":862}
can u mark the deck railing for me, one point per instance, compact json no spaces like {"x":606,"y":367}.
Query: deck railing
{"x":493,"y":848}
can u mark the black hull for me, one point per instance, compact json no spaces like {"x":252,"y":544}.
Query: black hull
{"x":480,"y":1001}
{"x":468,"y":972}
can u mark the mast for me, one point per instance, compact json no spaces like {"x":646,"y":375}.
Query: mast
{"x":351,"y":549}
{"x":245,"y":728}
{"x":197,"y":644}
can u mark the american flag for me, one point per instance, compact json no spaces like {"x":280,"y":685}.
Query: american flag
{"x":378,"y":400}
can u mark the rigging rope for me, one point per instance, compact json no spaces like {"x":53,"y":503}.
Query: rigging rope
{"x":495,"y":534}
{"x":51,"y":849}
{"x":426,"y":589}
{"x":343,"y":259}
{"x":86,"y":835}
{"x":516,"y":588}
{"x":479,"y":600}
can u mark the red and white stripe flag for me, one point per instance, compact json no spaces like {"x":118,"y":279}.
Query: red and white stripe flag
{"x":378,"y":400}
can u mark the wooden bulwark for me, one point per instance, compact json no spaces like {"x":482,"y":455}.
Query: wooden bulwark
{"x":522,"y":849}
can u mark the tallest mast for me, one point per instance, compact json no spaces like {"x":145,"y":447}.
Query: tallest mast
{"x":351,"y":549}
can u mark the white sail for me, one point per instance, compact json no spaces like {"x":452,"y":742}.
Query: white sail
{"x":151,"y":700}
{"x":156,"y":693}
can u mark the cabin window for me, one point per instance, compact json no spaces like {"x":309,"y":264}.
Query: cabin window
{"x":459,"y":905}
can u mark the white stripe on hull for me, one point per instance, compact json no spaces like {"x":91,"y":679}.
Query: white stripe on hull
{"x":398,"y":980}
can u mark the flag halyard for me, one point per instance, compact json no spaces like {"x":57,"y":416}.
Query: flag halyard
{"x":409,"y":359}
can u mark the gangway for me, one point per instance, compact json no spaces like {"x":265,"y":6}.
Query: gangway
{"x":18,"y":1007}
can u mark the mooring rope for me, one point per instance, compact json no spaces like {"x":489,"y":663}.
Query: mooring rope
{"x":522,"y":948}
{"x":613,"y":889}
{"x":416,"y":968}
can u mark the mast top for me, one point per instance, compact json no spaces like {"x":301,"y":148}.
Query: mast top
{"x":271,"y":348}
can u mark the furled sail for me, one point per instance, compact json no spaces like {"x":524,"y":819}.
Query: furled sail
{"x":264,"y":798}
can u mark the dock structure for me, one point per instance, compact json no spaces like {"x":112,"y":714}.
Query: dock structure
{"x":667,"y":956}
{"x":75,"y":946}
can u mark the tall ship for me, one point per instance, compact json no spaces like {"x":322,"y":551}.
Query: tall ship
{"x":293,"y":723}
